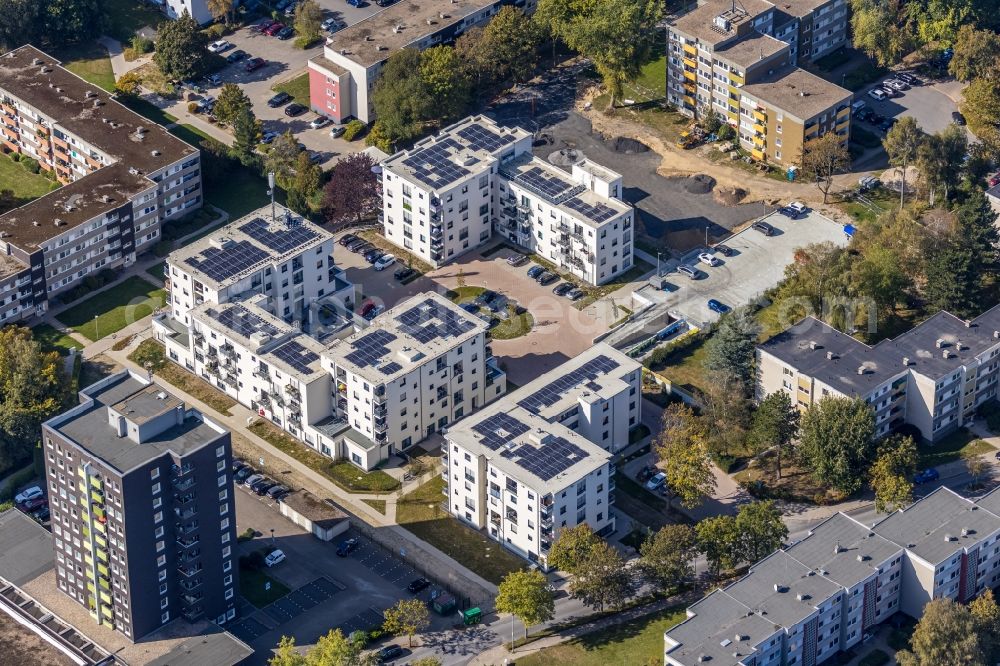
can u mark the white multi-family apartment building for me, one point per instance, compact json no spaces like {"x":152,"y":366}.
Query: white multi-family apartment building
{"x":539,"y":460}
{"x":198,"y":9}
{"x":804,"y":604}
{"x":420,"y":366}
{"x":932,"y":377}
{"x":123,"y":177}
{"x":452,"y":192}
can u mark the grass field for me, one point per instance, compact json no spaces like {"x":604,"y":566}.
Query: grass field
{"x":23,"y":183}
{"x":960,"y":443}
{"x":378,"y":505}
{"x":151,"y":352}
{"x":158,"y":271}
{"x":637,"y":642}
{"x":420,"y":512}
{"x":651,"y":83}
{"x":252,"y":584}
{"x":297,"y":87}
{"x":114,"y":309}
{"x":90,"y":61}
{"x":52,"y":339}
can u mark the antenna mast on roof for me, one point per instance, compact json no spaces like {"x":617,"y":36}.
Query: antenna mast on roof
{"x":270,"y":184}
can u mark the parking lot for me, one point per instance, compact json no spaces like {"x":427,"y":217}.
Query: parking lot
{"x":757,"y":265}
{"x":328,"y":591}
{"x":930,"y":103}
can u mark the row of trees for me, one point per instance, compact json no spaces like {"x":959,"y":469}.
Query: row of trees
{"x":977,"y":61}
{"x":52,"y":22}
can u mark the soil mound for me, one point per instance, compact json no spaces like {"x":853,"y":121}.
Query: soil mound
{"x":699,"y":184}
{"x":621,"y":144}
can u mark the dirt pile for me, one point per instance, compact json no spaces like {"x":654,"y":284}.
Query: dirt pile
{"x":729,"y":196}
{"x":622,"y":144}
{"x":699,"y":183}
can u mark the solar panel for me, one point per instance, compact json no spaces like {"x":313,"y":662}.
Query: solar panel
{"x":370,"y":349}
{"x":222,"y":263}
{"x":548,"y":460}
{"x":552,"y":392}
{"x":499,"y":429}
{"x":280,"y":237}
{"x":434,"y":164}
{"x":429,"y":320}
{"x":595,"y":212}
{"x":297,"y":356}
{"x":240,"y":320}
{"x":546,"y":184}
{"x":390,"y":368}
{"x":480,"y":138}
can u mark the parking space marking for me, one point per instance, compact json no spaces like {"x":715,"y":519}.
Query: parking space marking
{"x":362,"y":621}
{"x":300,"y":600}
{"x":248,"y":629}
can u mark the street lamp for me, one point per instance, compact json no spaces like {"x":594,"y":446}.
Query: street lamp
{"x":272,"y":536}
{"x":97,"y":333}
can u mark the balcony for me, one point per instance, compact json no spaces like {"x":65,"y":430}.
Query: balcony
{"x":187,"y":543}
{"x":381,"y":425}
{"x":547,"y":501}
{"x":183,"y":500}
{"x":185,"y":514}
{"x":182,"y":484}
{"x":189,"y":572}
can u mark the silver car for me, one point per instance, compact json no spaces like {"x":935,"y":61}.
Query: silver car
{"x":689,"y":271}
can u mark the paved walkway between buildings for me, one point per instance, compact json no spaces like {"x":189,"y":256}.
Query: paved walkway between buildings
{"x":119,"y":65}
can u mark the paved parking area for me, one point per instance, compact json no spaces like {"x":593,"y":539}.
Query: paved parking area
{"x":248,"y":630}
{"x":759,"y":264}
{"x":930,"y":103}
{"x":300,"y":600}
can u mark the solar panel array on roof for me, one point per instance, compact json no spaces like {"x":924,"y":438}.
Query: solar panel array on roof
{"x":297,"y":356}
{"x":481,"y":138}
{"x":390,"y":368}
{"x":499,"y":429}
{"x":596,"y":212}
{"x":222,"y":263}
{"x":370,"y":349}
{"x":281,"y":238}
{"x":546,"y":461}
{"x":545,"y":183}
{"x":430,"y":320}
{"x":240,"y":320}
{"x":434,"y":164}
{"x":550,"y":395}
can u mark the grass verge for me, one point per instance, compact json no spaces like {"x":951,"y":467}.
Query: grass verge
{"x":152,"y":352}
{"x":958,"y":444}
{"x":24,"y":184}
{"x":113,"y":309}
{"x":90,"y":61}
{"x":647,"y":509}
{"x":403,"y":257}
{"x":421,"y":513}
{"x":514,"y":326}
{"x":52,"y":339}
{"x":297,"y":87}
{"x":252,"y":584}
{"x":378,"y":505}
{"x":349,"y":477}
{"x":149,"y":110}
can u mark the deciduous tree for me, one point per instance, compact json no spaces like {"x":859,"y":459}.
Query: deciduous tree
{"x":901,"y":144}
{"x":401,"y":99}
{"x":760,"y":530}
{"x":231,"y":101}
{"x":525,"y":595}
{"x":221,"y":9}
{"x":447,"y":82}
{"x":774,"y":425}
{"x":128,"y":84}
{"x":603,"y":580}
{"x":891,"y":473}
{"x":285,"y":654}
{"x":335,"y":649}
{"x":939,"y":160}
{"x":975,"y":465}
{"x":977,"y":54}
{"x":877,"y":30}
{"x":281,"y":158}
{"x":981,"y":107}
{"x":946,"y":635}
{"x":572,"y":547}
{"x":837,"y":441}
{"x":308,"y":21}
{"x":823,"y":158}
{"x":667,"y":557}
{"x":986,"y":613}
{"x":407,"y":617}
{"x":181,"y":48}
{"x":682,"y":450}
{"x":718,"y":538}
{"x":307,"y":175}
{"x":510,"y":45}
{"x":352,"y":192}
{"x":72,"y":21}
{"x":21,"y":22}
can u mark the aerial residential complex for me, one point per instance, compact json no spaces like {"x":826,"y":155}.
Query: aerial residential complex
{"x":341,"y":80}
{"x":932,"y":377}
{"x":141,"y":501}
{"x":260,"y":310}
{"x":122,"y":177}
{"x":804,"y":604}
{"x":452,"y":192}
{"x":539,"y":459}
{"x":739,"y":60}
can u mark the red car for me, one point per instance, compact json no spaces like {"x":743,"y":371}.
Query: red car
{"x":994,"y":180}
{"x":265,"y":24}
{"x":253,"y":64}
{"x":34,"y":504}
{"x":274,"y":29}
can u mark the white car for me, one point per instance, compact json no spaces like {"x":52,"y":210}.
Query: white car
{"x":657,"y":481}
{"x":384,"y":262}
{"x":219,"y":46}
{"x":28,"y":494}
{"x":896,"y":84}
{"x":877,"y":93}
{"x":275,"y":557}
{"x":337,"y":131}
{"x":318,"y":122}
{"x":690,"y":271}
{"x":709,"y":258}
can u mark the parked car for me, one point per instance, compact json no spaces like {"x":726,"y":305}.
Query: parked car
{"x":470,"y":307}
{"x":237,"y":465}
{"x":347,"y":238}
{"x":716,"y":306}
{"x":878,"y":94}
{"x":388,"y":652}
{"x":909,"y":78}
{"x":268,"y":137}
{"x":646,"y":473}
{"x":384,"y":262}
{"x":994,"y":180}
{"x":252,"y":479}
{"x":294,"y":109}
{"x":486,"y":296}
{"x":709,"y":259}
{"x":384,"y":3}
{"x":926,"y":476}
{"x":896,"y":84}
{"x":356,"y":3}
{"x":274,"y":28}
{"x":277,"y":490}
{"x":373,"y":255}
{"x":657,"y":481}
{"x":220,"y":46}
{"x":689,"y":271}
{"x":547,"y":278}
{"x":41,"y":515}
{"x":957,"y":118}
{"x":263,"y":486}
{"x":33,"y":504}
{"x":356,"y":244}
{"x":253,"y":64}
{"x":319,"y":121}
{"x":535,"y":271}
{"x":797,"y":209}
{"x":274,"y":558}
{"x":325,"y":25}
{"x":243,"y":474}
{"x":337,"y":131}
{"x":887,"y":124}
{"x":517,"y":260}
{"x":236,"y":56}
{"x":562,"y":288}
{"x":764,"y":228}
{"x":28,"y":494}
{"x":725,"y":250}
{"x":263,"y":25}
{"x":279,"y":99}
{"x":403,"y":273}
{"x":285,"y":33}
{"x":347,"y":546}
{"x":575,"y":294}
{"x":418,"y":584}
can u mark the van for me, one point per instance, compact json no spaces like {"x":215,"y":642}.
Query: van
{"x":764,"y":228}
{"x":690,"y":271}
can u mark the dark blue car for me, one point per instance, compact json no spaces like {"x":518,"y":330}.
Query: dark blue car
{"x":716,"y":306}
{"x":926,"y":476}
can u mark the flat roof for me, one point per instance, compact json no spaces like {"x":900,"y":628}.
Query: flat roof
{"x":800,"y":590}
{"x":799,"y":8}
{"x":700,"y":22}
{"x":10,"y":265}
{"x":843,"y":550}
{"x":327,"y":64}
{"x":752,"y":49}
{"x":402,"y":24}
{"x":90,"y":113}
{"x":25,"y":548}
{"x":711,"y":629}
{"x":466,"y":148}
{"x":87,"y":425}
{"x":405,"y":337}
{"x":307,"y":505}
{"x":241,"y":248}
{"x":797,"y":92}
{"x":212,"y":647}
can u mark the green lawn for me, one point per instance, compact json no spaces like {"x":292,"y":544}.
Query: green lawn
{"x":114,"y":309}
{"x":158,"y":271}
{"x":637,"y":642}
{"x":686,"y":366}
{"x":252,"y":584}
{"x":651,"y":83}
{"x":52,"y":339}
{"x":349,"y":477}
{"x":88,"y":60}
{"x":148,"y":110}
{"x":420,"y":512}
{"x":127,"y":16}
{"x":189,"y":133}
{"x":378,"y":505}
{"x":953,"y":447}
{"x":298,"y":88}
{"x":23,"y":183}
{"x":514,"y":326}
{"x":152,"y":353}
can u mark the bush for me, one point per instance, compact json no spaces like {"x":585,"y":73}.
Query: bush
{"x":246,"y":535}
{"x":353,"y":129}
{"x":16,"y":157}
{"x":31,"y":164}
{"x":141,"y":44}
{"x":726,"y":132}
{"x":193,"y":107}
{"x":215,"y":31}
{"x":252,"y":562}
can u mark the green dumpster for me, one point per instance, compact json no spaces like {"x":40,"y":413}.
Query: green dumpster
{"x":472,"y":616}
